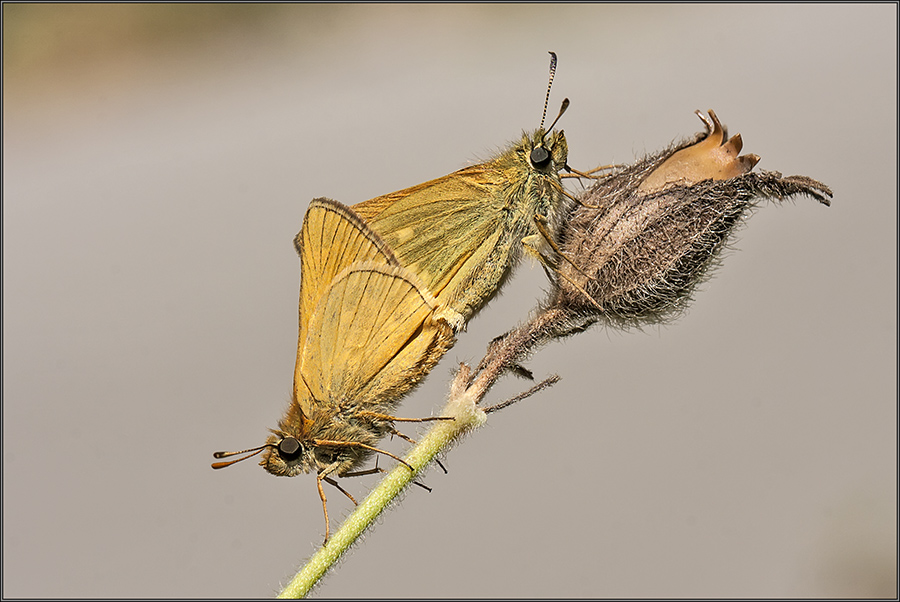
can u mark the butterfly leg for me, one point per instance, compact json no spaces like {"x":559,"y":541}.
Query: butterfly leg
{"x":541,"y":222}
{"x":324,"y":507}
{"x":323,"y":476}
{"x":362,"y":445}
{"x":319,"y":477}
{"x":362,"y":473}
{"x":531,"y":245}
{"x":375,"y":470}
{"x":389,"y":418}
{"x":397,"y":433}
{"x":411,"y":441}
{"x":591,"y":174}
{"x":394,"y":431}
{"x":368,"y":471}
{"x":334,"y":484}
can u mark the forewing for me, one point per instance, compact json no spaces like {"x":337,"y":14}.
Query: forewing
{"x":444,"y":229}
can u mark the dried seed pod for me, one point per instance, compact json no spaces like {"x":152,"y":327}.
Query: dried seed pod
{"x":643,"y":236}
{"x":646,"y":233}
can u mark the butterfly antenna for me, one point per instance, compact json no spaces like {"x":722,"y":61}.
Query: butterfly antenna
{"x":565,"y":102}
{"x":223,"y":454}
{"x":549,"y":85}
{"x":562,"y":109}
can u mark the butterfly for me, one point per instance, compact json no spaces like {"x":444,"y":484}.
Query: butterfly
{"x":368,"y":333}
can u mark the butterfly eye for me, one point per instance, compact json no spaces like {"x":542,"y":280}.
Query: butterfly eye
{"x":540,"y":158}
{"x":289,"y":449}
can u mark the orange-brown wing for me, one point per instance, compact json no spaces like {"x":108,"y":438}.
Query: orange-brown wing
{"x":445,"y":230}
{"x":332,"y":238}
{"x":372,"y":337}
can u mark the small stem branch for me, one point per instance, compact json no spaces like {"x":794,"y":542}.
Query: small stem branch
{"x":514,"y":346}
{"x":547,"y":382}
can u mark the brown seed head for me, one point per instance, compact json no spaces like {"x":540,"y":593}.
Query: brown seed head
{"x":646,"y":233}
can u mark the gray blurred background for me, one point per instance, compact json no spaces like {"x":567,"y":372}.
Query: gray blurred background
{"x":157,"y":162}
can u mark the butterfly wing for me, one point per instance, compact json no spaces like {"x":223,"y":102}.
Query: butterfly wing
{"x":445,"y":230}
{"x":331,"y":239}
{"x":372,"y":337}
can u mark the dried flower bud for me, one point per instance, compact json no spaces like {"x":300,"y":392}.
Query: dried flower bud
{"x":646,"y":233}
{"x":643,"y":236}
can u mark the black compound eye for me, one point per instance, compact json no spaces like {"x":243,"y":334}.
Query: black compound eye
{"x":289,"y":449}
{"x":540,"y":157}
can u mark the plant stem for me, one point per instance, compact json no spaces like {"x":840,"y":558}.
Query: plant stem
{"x":462,"y":407}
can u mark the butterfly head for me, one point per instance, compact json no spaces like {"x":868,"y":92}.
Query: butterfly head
{"x":287,"y":456}
{"x":547,"y":152}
